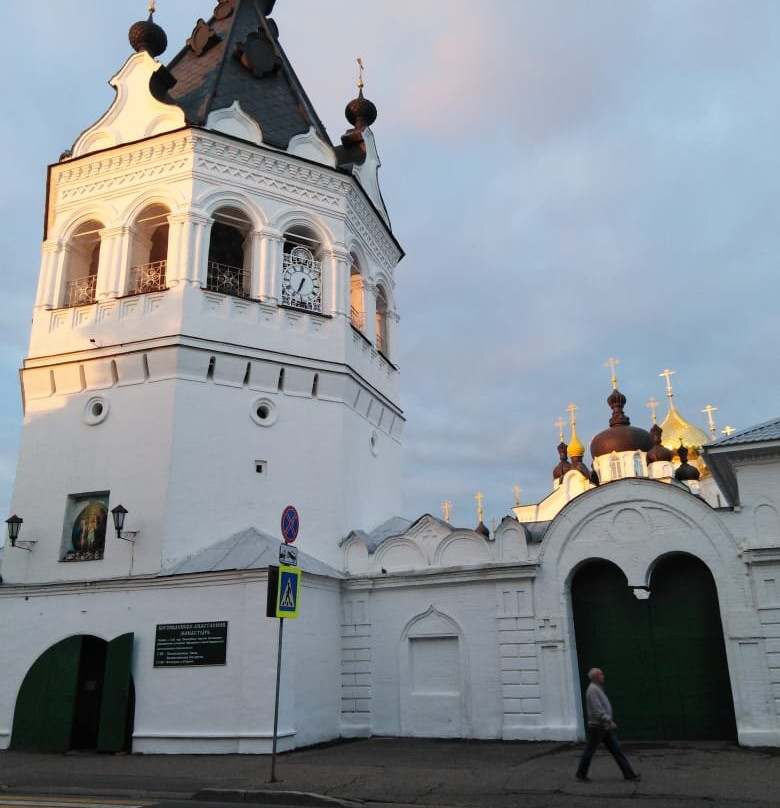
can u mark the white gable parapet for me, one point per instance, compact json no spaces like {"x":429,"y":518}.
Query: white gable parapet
{"x":135,"y":113}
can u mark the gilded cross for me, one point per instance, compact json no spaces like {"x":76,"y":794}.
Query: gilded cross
{"x":709,"y":409}
{"x":571,"y":409}
{"x":516,"y":490}
{"x":560,"y":423}
{"x":359,"y":60}
{"x":479,"y":496}
{"x":668,"y":374}
{"x":653,"y":405}
{"x":728,"y":430}
{"x":612,"y":363}
{"x":151,"y":8}
{"x":446,"y":508}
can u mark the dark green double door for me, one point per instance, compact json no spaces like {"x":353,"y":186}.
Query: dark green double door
{"x":77,"y":695}
{"x":663,"y":657}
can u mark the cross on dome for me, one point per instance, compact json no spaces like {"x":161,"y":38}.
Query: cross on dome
{"x":612,"y":363}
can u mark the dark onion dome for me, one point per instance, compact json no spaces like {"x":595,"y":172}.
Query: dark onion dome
{"x":360,"y":112}
{"x":146,"y":35}
{"x":621,"y":436}
{"x":559,"y":472}
{"x":685,"y":471}
{"x":482,"y":530}
{"x":659,"y":452}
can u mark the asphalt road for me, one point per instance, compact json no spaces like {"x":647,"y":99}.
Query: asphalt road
{"x":407,"y":772}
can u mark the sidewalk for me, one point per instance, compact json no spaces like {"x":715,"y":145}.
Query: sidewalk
{"x":416,"y":772}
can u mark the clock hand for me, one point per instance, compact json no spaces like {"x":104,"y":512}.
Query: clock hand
{"x":300,"y":285}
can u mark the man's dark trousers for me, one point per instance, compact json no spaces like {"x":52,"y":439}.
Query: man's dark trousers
{"x":597,"y":735}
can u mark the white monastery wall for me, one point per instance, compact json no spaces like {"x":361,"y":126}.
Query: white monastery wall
{"x":209,"y":709}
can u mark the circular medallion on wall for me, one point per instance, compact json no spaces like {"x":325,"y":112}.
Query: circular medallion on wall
{"x":264,"y":412}
{"x":96,"y":410}
{"x":629,"y":524}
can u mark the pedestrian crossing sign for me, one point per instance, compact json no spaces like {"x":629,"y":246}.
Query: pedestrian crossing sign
{"x":288,"y":589}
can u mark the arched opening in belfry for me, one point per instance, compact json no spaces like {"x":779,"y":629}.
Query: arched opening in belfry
{"x":81,"y":270}
{"x":662,"y":649}
{"x":357,"y":306}
{"x":228,"y":269}
{"x":149,"y":251}
{"x":302,"y":282}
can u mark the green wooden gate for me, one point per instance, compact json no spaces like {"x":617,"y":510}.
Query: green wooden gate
{"x":664,"y":657}
{"x":51,"y":712}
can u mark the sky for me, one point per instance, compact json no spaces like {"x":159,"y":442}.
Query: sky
{"x":570,"y":181}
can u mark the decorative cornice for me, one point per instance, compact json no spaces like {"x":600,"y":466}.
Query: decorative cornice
{"x":372,"y":230}
{"x":480,"y":573}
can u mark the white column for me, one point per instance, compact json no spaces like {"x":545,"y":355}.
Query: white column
{"x":392,"y":336}
{"x":187,"y":252}
{"x":121,"y":239}
{"x":53,"y":255}
{"x":105,"y":285}
{"x":201,"y":232}
{"x":178,"y":232}
{"x":369,"y":301}
{"x":255,"y":263}
{"x":339,"y":280}
{"x":271,"y":241}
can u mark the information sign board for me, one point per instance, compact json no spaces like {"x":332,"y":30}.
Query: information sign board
{"x":190,"y":644}
{"x":288,"y":555}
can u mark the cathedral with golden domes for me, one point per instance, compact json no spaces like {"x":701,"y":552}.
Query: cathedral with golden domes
{"x":214,"y":336}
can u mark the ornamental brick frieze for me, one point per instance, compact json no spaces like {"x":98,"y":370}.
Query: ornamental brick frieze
{"x":366,"y":222}
{"x":120,"y":161}
{"x":285,"y":189}
{"x":272,"y":163}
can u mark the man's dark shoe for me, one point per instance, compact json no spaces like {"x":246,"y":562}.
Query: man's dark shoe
{"x":584,"y":778}
{"x":634,"y":777}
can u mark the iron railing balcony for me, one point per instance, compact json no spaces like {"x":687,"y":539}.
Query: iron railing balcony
{"x":80,"y":291}
{"x":148,"y":278}
{"x":227,"y":279}
{"x":358,"y":318}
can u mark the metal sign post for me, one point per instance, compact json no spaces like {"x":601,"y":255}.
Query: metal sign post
{"x":276,"y":701}
{"x":284,"y":584}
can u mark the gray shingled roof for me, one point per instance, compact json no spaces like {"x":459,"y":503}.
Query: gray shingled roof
{"x":768,"y":431}
{"x":247,"y":550}
{"x":215,"y":79}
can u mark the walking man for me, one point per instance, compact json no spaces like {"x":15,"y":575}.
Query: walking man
{"x":601,"y":727}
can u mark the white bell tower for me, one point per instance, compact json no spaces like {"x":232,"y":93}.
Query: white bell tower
{"x":214,"y":332}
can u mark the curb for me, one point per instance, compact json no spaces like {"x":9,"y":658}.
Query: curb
{"x":270,"y":796}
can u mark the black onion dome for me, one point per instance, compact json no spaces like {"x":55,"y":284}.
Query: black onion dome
{"x":621,"y":436}
{"x":482,"y":530}
{"x":146,"y":35}
{"x":685,"y":471}
{"x":360,"y":112}
{"x":659,"y":452}
{"x":559,"y":472}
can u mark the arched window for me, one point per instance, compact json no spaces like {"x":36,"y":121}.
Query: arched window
{"x":149,"y":256}
{"x":228,"y":263}
{"x":82,"y":265}
{"x":357,"y":309}
{"x":381,"y":320}
{"x":302,"y":269}
{"x":615,"y":467}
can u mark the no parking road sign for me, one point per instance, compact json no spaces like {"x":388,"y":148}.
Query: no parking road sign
{"x":291,"y":523}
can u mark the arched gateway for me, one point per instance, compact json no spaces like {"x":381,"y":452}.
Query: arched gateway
{"x":78,"y":694}
{"x":663,"y":654}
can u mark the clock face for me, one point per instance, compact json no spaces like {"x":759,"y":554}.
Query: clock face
{"x":301,"y":280}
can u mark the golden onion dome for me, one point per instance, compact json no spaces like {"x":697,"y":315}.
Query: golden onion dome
{"x":576,"y":449}
{"x":677,"y":430}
